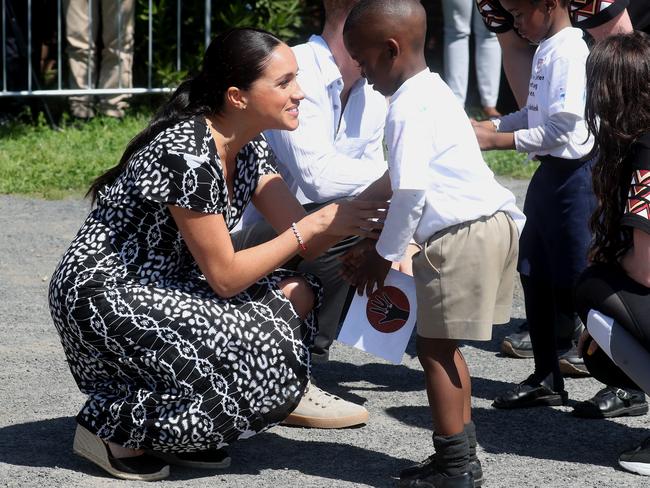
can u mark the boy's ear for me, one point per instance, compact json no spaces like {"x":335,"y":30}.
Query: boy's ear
{"x":394,"y":48}
{"x":236,"y":98}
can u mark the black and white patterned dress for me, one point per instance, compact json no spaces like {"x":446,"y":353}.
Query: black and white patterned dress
{"x":166,"y":363}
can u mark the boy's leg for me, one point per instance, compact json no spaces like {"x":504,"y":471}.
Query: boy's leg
{"x":546,"y":385}
{"x":541,"y":311}
{"x":447,"y":382}
{"x":485,"y":248}
{"x":449,"y":392}
{"x":448,"y":389}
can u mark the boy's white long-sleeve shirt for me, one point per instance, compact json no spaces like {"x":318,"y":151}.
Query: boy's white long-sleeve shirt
{"x":552,"y":122}
{"x":437,"y":172}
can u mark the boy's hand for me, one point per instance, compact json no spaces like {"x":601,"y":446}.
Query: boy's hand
{"x":488,"y":138}
{"x":485,"y":135}
{"x":354,"y":256}
{"x":486,"y":124}
{"x":370,"y":273}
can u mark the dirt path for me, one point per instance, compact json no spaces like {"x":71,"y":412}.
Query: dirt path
{"x":38,"y":400}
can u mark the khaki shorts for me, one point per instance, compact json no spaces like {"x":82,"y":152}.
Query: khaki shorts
{"x":464,"y":278}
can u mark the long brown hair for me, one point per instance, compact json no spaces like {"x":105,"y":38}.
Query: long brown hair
{"x":236,"y":57}
{"x":617,"y":112}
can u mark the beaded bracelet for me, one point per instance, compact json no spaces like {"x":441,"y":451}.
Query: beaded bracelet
{"x":296,"y":233}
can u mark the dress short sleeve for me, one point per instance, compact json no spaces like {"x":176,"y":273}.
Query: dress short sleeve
{"x":587,"y":14}
{"x":637,"y":208}
{"x":184,"y":180}
{"x":267,"y":163}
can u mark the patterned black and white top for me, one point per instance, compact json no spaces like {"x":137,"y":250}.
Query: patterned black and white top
{"x":166,"y":363}
{"x":585,"y":14}
{"x":637,"y":208}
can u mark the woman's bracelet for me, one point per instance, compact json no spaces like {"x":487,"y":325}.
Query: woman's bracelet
{"x":296,"y":233}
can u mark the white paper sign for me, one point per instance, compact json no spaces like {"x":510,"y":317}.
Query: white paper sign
{"x":382,"y":323}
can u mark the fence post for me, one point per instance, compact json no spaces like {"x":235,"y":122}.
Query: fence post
{"x":208,"y":22}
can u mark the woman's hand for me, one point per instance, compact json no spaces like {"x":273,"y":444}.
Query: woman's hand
{"x":350,"y":217}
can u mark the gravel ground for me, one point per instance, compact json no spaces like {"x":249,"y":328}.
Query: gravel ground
{"x":38,"y":399}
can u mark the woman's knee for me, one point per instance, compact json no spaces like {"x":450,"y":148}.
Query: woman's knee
{"x":299,"y":294}
{"x":599,"y":288}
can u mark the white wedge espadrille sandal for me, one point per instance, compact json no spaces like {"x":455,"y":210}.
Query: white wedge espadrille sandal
{"x":140,"y":468}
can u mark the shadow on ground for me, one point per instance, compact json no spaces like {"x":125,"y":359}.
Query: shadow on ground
{"x":48,"y":443}
{"x":548,"y":434}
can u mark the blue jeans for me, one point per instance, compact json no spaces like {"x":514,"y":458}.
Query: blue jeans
{"x":461,"y":18}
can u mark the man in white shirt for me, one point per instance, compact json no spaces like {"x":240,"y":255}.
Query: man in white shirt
{"x":336,"y":152}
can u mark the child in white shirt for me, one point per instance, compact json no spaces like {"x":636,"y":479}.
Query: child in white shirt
{"x":551,"y":128}
{"x":445,"y":198}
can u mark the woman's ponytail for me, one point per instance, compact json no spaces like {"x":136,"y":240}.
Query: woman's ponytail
{"x":234,"y":58}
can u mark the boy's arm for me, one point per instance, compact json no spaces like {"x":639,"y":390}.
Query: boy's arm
{"x":512,"y":121}
{"x":402,"y":219}
{"x":566,"y":105}
{"x":489,"y":139}
{"x":498,"y":133}
{"x":543,"y":139}
{"x":408,"y":140}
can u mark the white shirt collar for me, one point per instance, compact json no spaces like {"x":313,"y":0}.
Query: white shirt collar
{"x":413,"y":80}
{"x":559,"y":37}
{"x":325,"y":60}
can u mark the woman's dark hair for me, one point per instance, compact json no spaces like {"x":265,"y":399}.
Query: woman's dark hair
{"x":617,"y":112}
{"x":236,"y":57}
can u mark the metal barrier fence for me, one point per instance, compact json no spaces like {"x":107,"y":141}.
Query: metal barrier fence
{"x":33,"y":88}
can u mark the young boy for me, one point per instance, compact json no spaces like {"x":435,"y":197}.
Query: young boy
{"x":553,"y":248}
{"x":445,"y":198}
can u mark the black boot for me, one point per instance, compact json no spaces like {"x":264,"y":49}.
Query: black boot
{"x":426,"y":467}
{"x":450,"y":466}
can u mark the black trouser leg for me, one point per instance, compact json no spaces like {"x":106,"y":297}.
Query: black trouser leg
{"x":335,"y":290}
{"x":568,"y":325}
{"x":539,"y":298}
{"x":566,"y":317}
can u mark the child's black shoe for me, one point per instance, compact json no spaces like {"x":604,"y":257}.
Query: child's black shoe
{"x":426,"y":467}
{"x":437,"y":479}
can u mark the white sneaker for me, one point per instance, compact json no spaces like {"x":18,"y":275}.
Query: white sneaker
{"x":321,"y":410}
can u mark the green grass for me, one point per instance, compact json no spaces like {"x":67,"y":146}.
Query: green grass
{"x":38,"y":161}
{"x":510,"y":163}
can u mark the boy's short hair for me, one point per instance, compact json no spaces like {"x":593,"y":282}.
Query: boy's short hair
{"x":368,"y":13}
